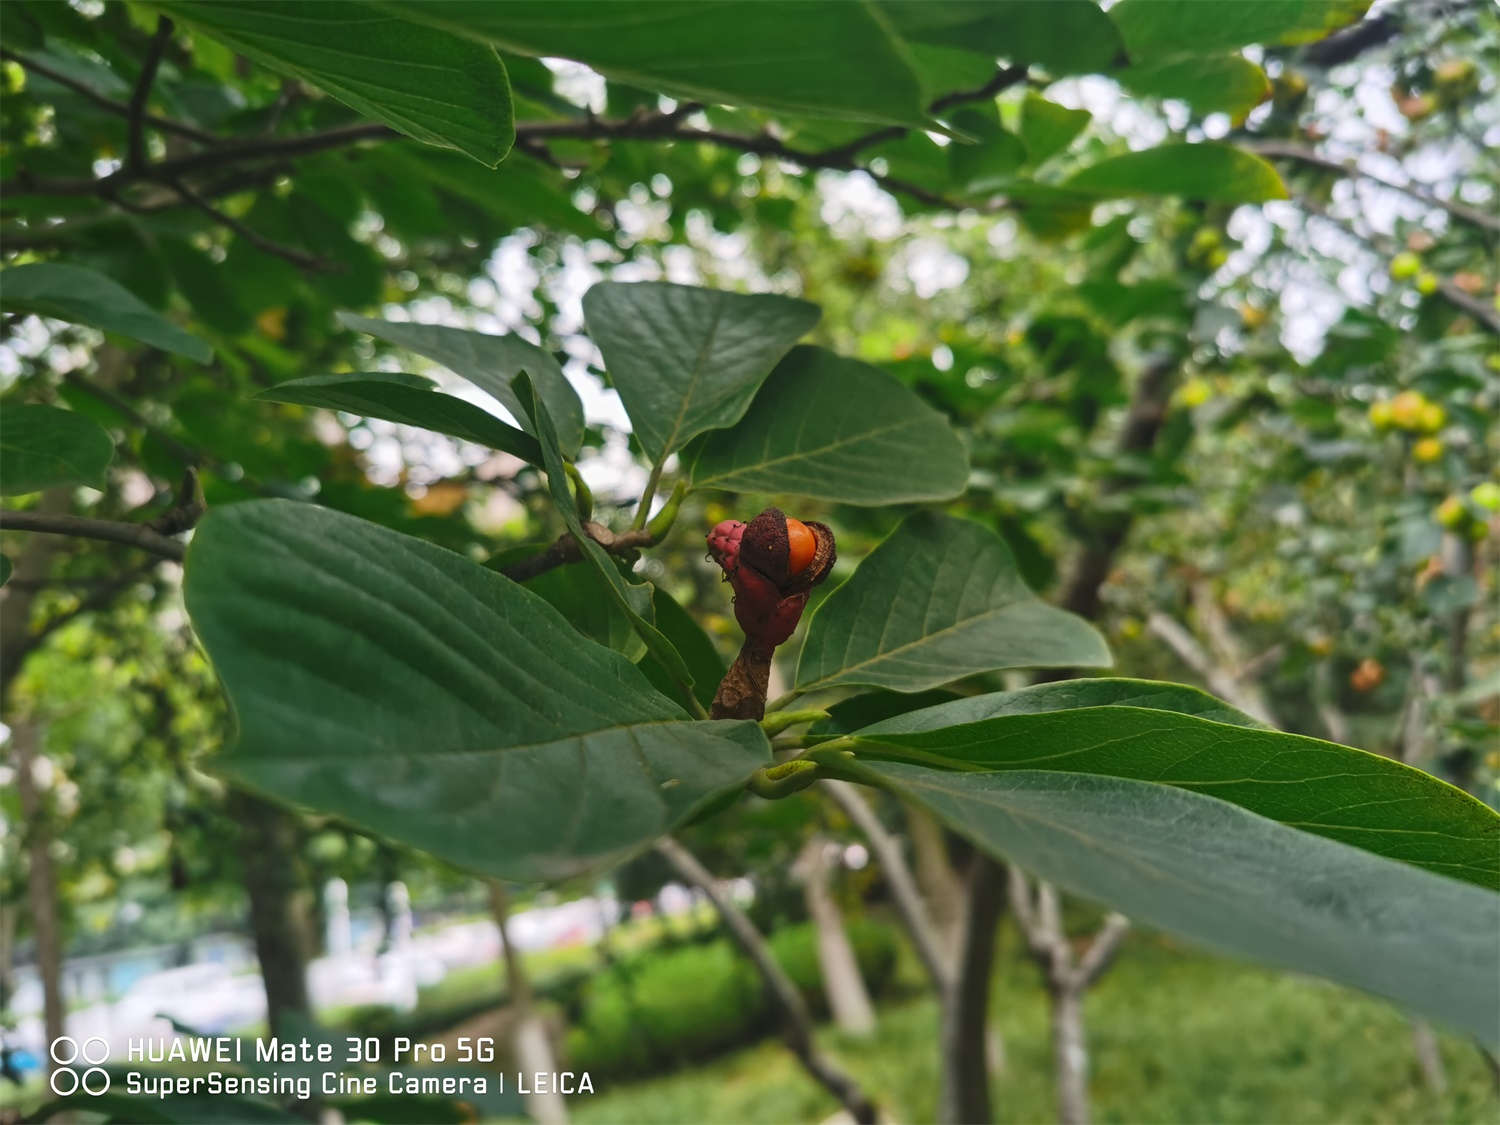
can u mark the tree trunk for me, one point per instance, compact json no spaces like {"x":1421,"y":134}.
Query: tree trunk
{"x":530,"y":1041}
{"x":941,"y":886}
{"x":41,"y":880}
{"x":280,"y":903}
{"x":1070,"y":1055}
{"x":965,"y":1095}
{"x":848,"y":999}
{"x":796,"y":1023}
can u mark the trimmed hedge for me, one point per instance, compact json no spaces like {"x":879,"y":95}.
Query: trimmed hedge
{"x":677,"y":1006}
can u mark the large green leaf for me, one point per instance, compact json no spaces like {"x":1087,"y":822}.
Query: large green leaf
{"x":698,"y":651}
{"x":82,"y":296}
{"x":1173,"y":735}
{"x":1229,"y":84}
{"x":1064,"y":36}
{"x":938,"y":600}
{"x":686,"y":359}
{"x":633,"y":598}
{"x":1047,"y":128}
{"x":827,"y":60}
{"x":1237,"y":882}
{"x":1152,"y":28}
{"x":580,"y":594}
{"x":491,"y":363}
{"x":433,"y":86}
{"x":42,"y":446}
{"x":385,"y":680}
{"x":409,"y":400}
{"x":836,"y":429}
{"x":1209,"y":171}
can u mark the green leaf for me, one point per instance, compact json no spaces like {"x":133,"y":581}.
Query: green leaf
{"x":698,"y":651}
{"x":409,"y":400}
{"x":1173,"y":735}
{"x":1229,"y":84}
{"x":1047,"y":128}
{"x":1216,"y":874}
{"x":582,"y":596}
{"x":491,"y":363}
{"x":633,"y":598}
{"x":836,"y":429}
{"x":988,"y":162}
{"x":1210,"y":171}
{"x":938,"y":600}
{"x":686,"y":359}
{"x":432,"y":86}
{"x":81,"y":296}
{"x":1153,"y":28}
{"x":42,"y":446}
{"x":1063,"y":36}
{"x":385,"y":680}
{"x":827,"y":60}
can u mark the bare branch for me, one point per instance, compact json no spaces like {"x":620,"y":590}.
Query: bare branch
{"x":909,"y":904}
{"x":565,"y":549}
{"x":259,"y":241}
{"x":1101,"y":951}
{"x":796,"y":1021}
{"x":110,"y":531}
{"x":136,"y":112}
{"x":166,"y":124}
{"x":1287,"y":150}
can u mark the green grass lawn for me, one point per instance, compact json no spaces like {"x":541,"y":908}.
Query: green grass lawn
{"x":1175,"y":1036}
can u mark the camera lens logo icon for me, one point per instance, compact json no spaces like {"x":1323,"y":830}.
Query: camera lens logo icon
{"x":65,"y":1051}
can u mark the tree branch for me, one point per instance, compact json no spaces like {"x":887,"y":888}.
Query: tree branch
{"x":136,"y":111}
{"x":166,"y":124}
{"x":1287,"y":150}
{"x":259,"y":241}
{"x":110,"y":531}
{"x":796,"y":1021}
{"x":893,"y":866}
{"x":566,"y":549}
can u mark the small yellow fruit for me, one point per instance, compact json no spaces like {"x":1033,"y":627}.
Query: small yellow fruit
{"x":1427,"y":283}
{"x":1218,"y":258}
{"x":1381,"y":415}
{"x":1406,"y":409}
{"x":1487,"y":495}
{"x":1478,"y":531}
{"x":1451,"y":513}
{"x":1195,"y":392}
{"x":1253,"y":316}
{"x":1427,"y":450}
{"x":1432,"y":418}
{"x":1405,"y":266}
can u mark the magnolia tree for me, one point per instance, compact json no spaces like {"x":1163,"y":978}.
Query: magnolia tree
{"x":533,"y":712}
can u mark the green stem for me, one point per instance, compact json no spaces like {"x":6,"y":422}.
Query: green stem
{"x":779,"y":722}
{"x":775,"y":782}
{"x":782,"y":700}
{"x":649,"y":495}
{"x":698,"y":710}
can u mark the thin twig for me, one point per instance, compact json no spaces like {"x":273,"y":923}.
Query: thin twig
{"x":255,"y":238}
{"x":796,"y":1021}
{"x":98,"y":599}
{"x":81,"y":527}
{"x":166,"y":124}
{"x":136,"y":152}
{"x":893,"y":865}
{"x":1286,"y":150}
{"x":565,"y":549}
